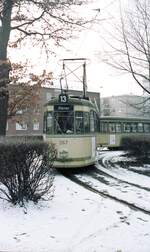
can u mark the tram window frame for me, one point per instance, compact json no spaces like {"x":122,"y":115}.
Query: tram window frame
{"x":112,"y":127}
{"x":96,"y":122}
{"x":118,"y":127}
{"x":133,"y":127}
{"x":92,"y":124}
{"x":103,"y":127}
{"x":140,"y":127}
{"x":63,"y":122}
{"x":146,"y":127}
{"x":79,"y":122}
{"x":126,"y":127}
{"x":86,"y":120}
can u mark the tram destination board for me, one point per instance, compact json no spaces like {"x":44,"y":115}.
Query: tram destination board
{"x":63,"y":107}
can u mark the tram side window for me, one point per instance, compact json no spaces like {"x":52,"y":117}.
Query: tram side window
{"x":118,"y":127}
{"x":86,"y":122}
{"x":96,"y":122}
{"x":79,"y":122}
{"x":133,"y":127}
{"x":104,"y":127}
{"x":49,"y":123}
{"x":126,"y":127}
{"x":140,"y":127}
{"x":146,"y":127}
{"x":63,"y":122}
{"x":112,"y":127}
{"x":92,"y":128}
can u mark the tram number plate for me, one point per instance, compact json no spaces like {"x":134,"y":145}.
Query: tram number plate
{"x":63,"y":98}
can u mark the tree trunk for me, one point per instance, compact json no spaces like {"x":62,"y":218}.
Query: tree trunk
{"x":4,"y":79}
{"x":5,"y":66}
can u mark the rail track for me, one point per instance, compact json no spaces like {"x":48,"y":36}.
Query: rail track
{"x":96,"y":180}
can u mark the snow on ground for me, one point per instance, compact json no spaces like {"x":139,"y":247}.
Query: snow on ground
{"x":122,"y":191}
{"x":75,"y":220}
{"x":121,"y":173}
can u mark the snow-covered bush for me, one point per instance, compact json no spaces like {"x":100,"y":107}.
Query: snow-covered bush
{"x":138,"y":146}
{"x":26,"y":171}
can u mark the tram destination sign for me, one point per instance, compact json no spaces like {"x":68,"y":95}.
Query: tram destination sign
{"x":63,"y":107}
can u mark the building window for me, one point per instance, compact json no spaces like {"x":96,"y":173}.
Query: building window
{"x":48,"y":123}
{"x":21,"y":126}
{"x":21,"y":111}
{"x":36,"y":125}
{"x":48,"y":96}
{"x":37,"y":109}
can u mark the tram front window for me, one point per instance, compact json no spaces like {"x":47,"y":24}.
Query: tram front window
{"x":63,"y":123}
{"x":79,"y":122}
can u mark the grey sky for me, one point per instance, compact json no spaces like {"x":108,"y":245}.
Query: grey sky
{"x":90,"y":44}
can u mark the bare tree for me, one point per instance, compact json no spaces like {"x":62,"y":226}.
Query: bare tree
{"x":25,"y":95}
{"x":131,"y":51}
{"x":40,"y":20}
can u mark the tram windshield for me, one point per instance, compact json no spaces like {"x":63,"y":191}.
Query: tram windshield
{"x":70,"y":122}
{"x":63,"y":122}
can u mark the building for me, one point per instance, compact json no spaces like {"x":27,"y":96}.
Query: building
{"x":125,"y":106}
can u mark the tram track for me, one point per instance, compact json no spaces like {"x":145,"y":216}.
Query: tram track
{"x":106,"y":162}
{"x":99,"y":180}
{"x":103,"y":193}
{"x":102,"y":173}
{"x":109,"y":163}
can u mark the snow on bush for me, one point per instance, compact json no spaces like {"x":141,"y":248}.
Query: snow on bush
{"x":26,"y":171}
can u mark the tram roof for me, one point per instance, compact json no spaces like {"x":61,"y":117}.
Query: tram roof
{"x":73,"y":101}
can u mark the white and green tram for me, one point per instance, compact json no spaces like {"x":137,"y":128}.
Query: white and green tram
{"x":72,"y":125}
{"x":114,"y":129}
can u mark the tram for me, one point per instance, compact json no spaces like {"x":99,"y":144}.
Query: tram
{"x":114,"y":129}
{"x":72,"y":124}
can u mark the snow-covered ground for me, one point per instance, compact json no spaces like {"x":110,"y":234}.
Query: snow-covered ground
{"x":75,"y":220}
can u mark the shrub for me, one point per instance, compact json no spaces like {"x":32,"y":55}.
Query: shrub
{"x":26,"y":171}
{"x":138,"y":146}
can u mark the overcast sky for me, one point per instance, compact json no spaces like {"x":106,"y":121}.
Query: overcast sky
{"x":90,"y":44}
{"x":101,"y":77}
